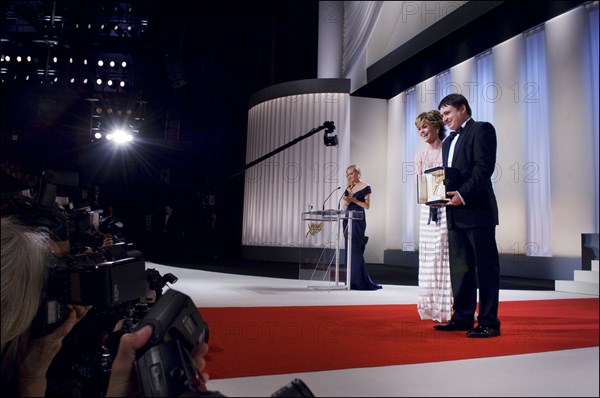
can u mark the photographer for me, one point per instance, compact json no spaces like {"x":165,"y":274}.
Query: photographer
{"x":25,"y":361}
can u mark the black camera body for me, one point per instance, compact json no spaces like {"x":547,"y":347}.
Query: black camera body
{"x":164,"y":366}
{"x":104,"y":277}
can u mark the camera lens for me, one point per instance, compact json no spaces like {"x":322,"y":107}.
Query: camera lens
{"x":296,"y":388}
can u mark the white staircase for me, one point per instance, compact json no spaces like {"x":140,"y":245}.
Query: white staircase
{"x":585,"y":282}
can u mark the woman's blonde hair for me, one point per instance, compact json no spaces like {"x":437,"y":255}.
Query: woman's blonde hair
{"x":25,"y":252}
{"x":354,"y":167}
{"x":433,"y":118}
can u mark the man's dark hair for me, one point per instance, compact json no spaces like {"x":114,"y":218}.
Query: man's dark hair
{"x":455,"y":100}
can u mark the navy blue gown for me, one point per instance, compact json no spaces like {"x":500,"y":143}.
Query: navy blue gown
{"x":359,"y":277}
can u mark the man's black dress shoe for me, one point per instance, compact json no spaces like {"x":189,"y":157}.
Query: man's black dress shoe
{"x":452,"y":326}
{"x":483,"y":332}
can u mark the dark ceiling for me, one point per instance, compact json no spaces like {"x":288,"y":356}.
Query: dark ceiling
{"x":191,"y":68}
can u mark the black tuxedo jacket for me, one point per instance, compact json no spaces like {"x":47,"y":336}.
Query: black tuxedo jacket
{"x":475,"y":160}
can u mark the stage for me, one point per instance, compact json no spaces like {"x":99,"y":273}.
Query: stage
{"x":564,"y":372}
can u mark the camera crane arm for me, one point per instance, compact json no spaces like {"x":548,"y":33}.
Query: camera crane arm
{"x":329,"y":126}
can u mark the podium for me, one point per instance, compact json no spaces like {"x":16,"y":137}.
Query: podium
{"x":320,"y":252}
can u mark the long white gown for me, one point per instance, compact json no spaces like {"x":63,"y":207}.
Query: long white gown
{"x":435,"y":298}
{"x":435,"y":290}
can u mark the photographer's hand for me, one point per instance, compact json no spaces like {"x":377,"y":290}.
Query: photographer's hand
{"x":35,"y":356}
{"x":123,"y":380}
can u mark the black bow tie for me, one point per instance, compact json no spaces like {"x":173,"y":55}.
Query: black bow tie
{"x":455,"y":133}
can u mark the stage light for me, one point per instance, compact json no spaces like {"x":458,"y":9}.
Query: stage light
{"x":121,"y":136}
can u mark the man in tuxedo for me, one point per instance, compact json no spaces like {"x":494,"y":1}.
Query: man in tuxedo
{"x":472,"y":216}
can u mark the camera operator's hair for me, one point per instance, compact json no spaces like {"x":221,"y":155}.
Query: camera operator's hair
{"x":25,"y":252}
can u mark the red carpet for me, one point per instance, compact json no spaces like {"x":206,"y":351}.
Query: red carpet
{"x":251,"y":341}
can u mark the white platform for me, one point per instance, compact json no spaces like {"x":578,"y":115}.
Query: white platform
{"x":584,"y":281}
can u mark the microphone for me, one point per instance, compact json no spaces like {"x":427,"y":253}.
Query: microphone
{"x":340,"y":201}
{"x":329,"y":196}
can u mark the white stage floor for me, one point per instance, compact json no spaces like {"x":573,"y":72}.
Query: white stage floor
{"x":568,"y":373}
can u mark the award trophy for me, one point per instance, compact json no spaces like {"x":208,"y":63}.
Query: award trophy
{"x":433,"y":184}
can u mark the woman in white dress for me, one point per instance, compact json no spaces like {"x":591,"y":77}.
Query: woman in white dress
{"x":435,"y":291}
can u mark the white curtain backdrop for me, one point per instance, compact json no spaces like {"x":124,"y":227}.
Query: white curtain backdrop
{"x":278,"y":189}
{"x":593,"y":73}
{"x":486,"y":92}
{"x":411,"y":213}
{"x":359,"y":20}
{"x":442,"y":86}
{"x":537,"y":143}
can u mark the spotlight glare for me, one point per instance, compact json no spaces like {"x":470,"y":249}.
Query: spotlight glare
{"x":122,"y":136}
{"x":98,"y":135}
{"x":100,"y":62}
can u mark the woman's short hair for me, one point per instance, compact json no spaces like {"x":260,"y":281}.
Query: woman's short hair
{"x":25,"y":252}
{"x":432,"y":118}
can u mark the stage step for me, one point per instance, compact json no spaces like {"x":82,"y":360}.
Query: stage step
{"x":585,"y":282}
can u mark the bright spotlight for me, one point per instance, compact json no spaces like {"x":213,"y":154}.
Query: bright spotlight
{"x":121,"y":136}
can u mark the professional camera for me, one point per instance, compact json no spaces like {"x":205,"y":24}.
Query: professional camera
{"x":125,"y":296}
{"x":165,"y":366}
{"x":104,"y":277}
